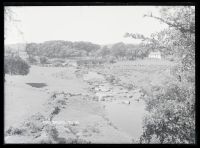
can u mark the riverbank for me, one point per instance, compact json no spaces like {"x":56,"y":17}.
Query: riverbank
{"x":73,"y":105}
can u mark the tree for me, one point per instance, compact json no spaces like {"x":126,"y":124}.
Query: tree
{"x":43,"y":60}
{"x":10,"y":19}
{"x":119,"y":50}
{"x":131,"y":52}
{"x":86,"y":46}
{"x":179,"y":39}
{"x":172,"y":111}
{"x":104,"y":51}
{"x":32,"y":60}
{"x":32,"y":49}
{"x":61,"y":49}
{"x":15,"y":65}
{"x":181,"y":18}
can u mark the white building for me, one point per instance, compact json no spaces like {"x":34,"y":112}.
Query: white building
{"x":155,"y":55}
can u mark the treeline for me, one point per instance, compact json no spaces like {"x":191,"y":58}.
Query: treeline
{"x":61,"y":49}
{"x":125,"y":51}
{"x":65,"y":49}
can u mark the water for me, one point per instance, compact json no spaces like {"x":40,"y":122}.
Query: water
{"x":37,"y":85}
{"x":128,"y":118}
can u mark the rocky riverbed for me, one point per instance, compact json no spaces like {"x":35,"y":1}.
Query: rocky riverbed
{"x":81,"y":106}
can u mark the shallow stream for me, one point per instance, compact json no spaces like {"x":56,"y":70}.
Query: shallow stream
{"x":126,"y":117}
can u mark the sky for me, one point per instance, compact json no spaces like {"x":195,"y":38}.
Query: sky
{"x":97,"y":24}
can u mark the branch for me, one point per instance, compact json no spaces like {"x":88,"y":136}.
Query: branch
{"x":140,"y":36}
{"x":175,"y":25}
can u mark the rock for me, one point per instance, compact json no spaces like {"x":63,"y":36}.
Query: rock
{"x":103,"y":99}
{"x":79,"y":134}
{"x":67,"y":130}
{"x":95,"y":98}
{"x":126,"y":102}
{"x":69,"y":122}
{"x":104,"y":88}
{"x":74,"y":123}
{"x":96,"y":89}
{"x":137,"y":100}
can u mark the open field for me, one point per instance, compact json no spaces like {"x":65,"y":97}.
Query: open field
{"x":81,"y":105}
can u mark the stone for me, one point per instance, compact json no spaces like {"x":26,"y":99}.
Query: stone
{"x":73,"y":123}
{"x":103,"y":99}
{"x":126,"y":102}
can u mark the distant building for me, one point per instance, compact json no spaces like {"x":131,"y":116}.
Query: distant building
{"x":155,"y":55}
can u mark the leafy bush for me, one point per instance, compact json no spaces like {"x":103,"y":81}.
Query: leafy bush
{"x":32,"y":60}
{"x":172,"y":115}
{"x":43,"y":60}
{"x":112,"y":60}
{"x":15,"y":65}
{"x":15,"y":131}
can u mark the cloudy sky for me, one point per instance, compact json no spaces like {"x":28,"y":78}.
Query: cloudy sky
{"x":97,"y":24}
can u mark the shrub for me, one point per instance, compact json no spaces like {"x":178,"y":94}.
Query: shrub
{"x":15,"y":131}
{"x":43,"y":60}
{"x":15,"y":65}
{"x":32,"y":60}
{"x":112,"y":60}
{"x":172,"y":115}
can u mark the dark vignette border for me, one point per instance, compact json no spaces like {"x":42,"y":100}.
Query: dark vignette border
{"x":97,"y":3}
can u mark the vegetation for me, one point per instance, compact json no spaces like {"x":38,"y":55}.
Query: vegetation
{"x":43,"y":60}
{"x":67,"y":49}
{"x":61,"y":49}
{"x":171,"y":107}
{"x":15,"y":65}
{"x":172,"y":118}
{"x":32,"y":60}
{"x":172,"y":111}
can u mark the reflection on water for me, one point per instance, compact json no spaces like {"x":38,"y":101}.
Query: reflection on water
{"x":127,"y":118}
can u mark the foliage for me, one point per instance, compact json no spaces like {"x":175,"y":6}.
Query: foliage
{"x":119,"y":50}
{"x":181,"y":18}
{"x":104,"y":51}
{"x":61,"y":49}
{"x":43,"y":60}
{"x":32,"y":60}
{"x":9,"y":18}
{"x":112,"y":60}
{"x":171,"y":109}
{"x":15,"y":65}
{"x":65,"y":49}
{"x":32,"y":49}
{"x":172,"y":115}
{"x":15,"y":131}
{"x":179,"y":38}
